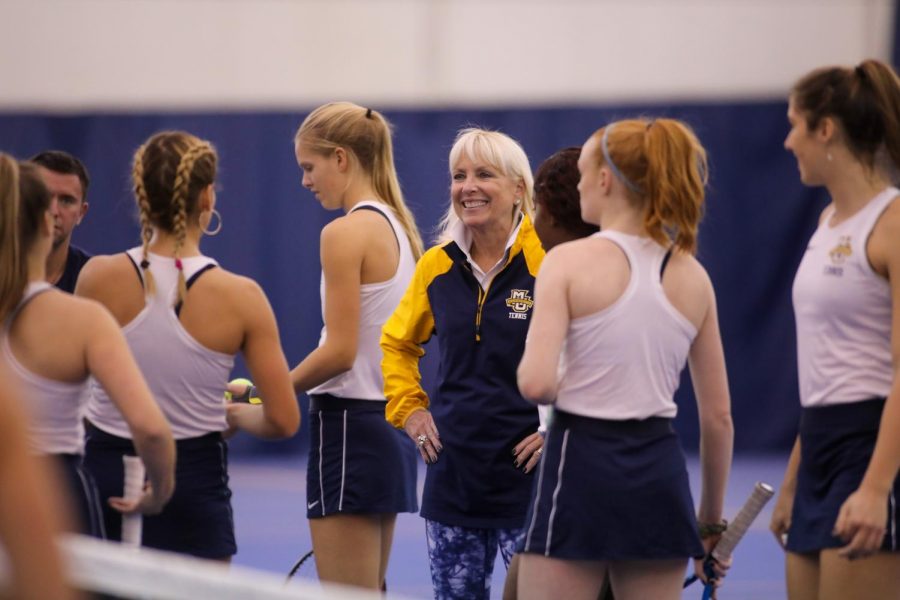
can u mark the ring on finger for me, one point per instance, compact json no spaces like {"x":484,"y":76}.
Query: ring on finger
{"x":420,"y":440}
{"x":539,"y":451}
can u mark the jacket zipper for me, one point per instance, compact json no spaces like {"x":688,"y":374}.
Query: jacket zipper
{"x":482,"y":296}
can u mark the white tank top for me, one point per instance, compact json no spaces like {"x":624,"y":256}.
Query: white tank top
{"x":55,"y":408}
{"x":186,"y":378}
{"x":624,"y":362}
{"x":377,"y":302}
{"x":843,"y":312}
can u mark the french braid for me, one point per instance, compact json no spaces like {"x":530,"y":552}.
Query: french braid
{"x":179,"y":200}
{"x":140,"y":192}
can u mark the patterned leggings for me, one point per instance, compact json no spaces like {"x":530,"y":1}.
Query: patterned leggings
{"x":462,"y":559}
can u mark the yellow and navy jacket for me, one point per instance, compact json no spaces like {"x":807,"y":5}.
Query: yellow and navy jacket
{"x":477,"y":407}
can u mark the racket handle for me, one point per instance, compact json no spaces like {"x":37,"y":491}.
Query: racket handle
{"x":134,"y":487}
{"x":761,"y":494}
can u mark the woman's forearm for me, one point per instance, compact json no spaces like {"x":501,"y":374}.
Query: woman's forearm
{"x":716,"y":446}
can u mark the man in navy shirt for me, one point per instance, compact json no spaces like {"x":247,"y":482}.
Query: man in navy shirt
{"x":67,"y":179}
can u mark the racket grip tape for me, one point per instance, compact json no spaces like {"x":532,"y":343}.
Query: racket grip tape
{"x":760,"y":495}
{"x":133,"y":488}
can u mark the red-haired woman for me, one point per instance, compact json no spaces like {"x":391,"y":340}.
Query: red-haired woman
{"x":625,"y":309}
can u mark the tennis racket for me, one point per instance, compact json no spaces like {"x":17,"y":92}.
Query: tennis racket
{"x":132,"y":525}
{"x":305,"y":567}
{"x":761,"y":494}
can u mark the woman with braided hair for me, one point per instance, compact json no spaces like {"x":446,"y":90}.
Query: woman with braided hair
{"x":185,"y":319}
{"x":624,"y":310}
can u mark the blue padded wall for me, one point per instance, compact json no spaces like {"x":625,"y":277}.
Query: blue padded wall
{"x":757,"y":221}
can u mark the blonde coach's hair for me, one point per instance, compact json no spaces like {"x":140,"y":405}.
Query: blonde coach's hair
{"x":501,"y":152}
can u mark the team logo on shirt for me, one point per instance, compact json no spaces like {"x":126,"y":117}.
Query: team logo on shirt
{"x":839,"y":254}
{"x":520,"y":303}
{"x":842,"y":251}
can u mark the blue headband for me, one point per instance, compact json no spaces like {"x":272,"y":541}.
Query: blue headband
{"x":612,"y":165}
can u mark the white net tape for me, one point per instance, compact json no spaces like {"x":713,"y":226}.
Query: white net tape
{"x":112,"y":568}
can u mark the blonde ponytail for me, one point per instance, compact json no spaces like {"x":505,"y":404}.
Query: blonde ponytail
{"x":366,"y":135}
{"x":13,"y":270}
{"x":25,"y":201}
{"x":387,"y":186}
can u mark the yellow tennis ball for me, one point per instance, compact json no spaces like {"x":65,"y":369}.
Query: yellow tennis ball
{"x":250,"y":394}
{"x":241,"y":381}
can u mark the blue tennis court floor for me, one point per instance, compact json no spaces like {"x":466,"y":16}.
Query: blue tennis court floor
{"x":272,"y":532}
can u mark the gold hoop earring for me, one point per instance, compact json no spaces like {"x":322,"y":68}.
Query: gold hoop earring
{"x":213,"y":213}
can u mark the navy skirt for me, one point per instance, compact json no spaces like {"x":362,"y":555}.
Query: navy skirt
{"x":612,"y":490}
{"x":358,"y":462}
{"x":836,"y":444}
{"x":198,"y":520}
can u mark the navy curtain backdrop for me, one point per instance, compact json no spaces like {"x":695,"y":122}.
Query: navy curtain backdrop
{"x":758,"y":219}
{"x":895,"y":55}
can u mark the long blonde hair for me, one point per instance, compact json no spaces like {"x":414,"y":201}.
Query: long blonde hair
{"x":24,"y":200}
{"x":366,"y":135}
{"x":501,"y":152}
{"x":170,"y":170}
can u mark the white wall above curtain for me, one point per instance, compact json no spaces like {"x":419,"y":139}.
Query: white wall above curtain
{"x":76,"y":55}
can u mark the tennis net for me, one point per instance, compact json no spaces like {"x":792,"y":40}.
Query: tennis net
{"x":109,"y":568}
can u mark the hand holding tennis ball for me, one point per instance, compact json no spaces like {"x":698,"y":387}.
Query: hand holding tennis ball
{"x":249,"y":395}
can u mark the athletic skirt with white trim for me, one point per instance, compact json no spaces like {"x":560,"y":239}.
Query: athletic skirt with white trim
{"x":198,"y":519}
{"x":358,"y":462}
{"x":836,"y":444}
{"x":612,"y":490}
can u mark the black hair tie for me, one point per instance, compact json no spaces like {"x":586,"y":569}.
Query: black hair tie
{"x":368,"y":113}
{"x":145,"y":264}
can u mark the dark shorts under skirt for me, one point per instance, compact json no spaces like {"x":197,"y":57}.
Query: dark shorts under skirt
{"x":612,"y":490}
{"x":198,"y":520}
{"x":358,"y":462}
{"x":83,"y":494}
{"x":836,"y":444}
